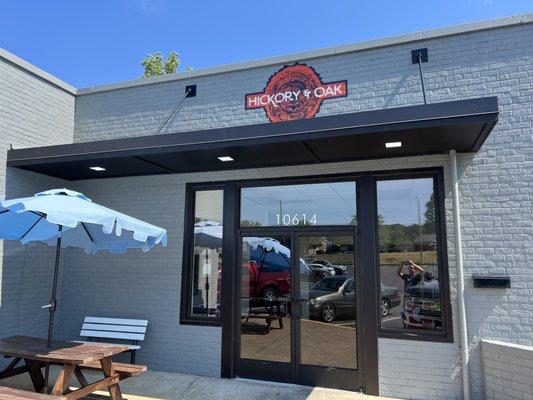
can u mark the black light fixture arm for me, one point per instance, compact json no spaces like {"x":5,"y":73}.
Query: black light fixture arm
{"x":190,"y":91}
{"x":420,"y":56}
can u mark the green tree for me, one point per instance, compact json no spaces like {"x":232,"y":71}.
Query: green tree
{"x":154,"y":64}
{"x":172,"y":63}
{"x":429,"y":225}
{"x":248,"y":223}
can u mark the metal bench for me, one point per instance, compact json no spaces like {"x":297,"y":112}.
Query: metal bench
{"x":132,"y":330}
{"x":17,"y":394}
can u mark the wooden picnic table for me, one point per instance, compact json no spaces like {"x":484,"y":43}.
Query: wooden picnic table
{"x":71,"y":356}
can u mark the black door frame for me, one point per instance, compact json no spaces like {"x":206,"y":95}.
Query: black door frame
{"x":260,"y":369}
{"x":369,"y":308}
{"x":339,"y":378}
{"x":367,"y":224}
{"x":294,"y":371}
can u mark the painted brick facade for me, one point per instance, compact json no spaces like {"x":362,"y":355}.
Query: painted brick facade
{"x":33,"y":112}
{"x":507,"y":370}
{"x":495,"y":189}
{"x":147,"y":285}
{"x":495,"y":184}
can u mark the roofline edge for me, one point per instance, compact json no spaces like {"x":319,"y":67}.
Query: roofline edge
{"x":453,"y":30}
{"x":36,"y":71}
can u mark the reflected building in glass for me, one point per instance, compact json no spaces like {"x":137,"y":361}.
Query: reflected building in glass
{"x":207,"y":257}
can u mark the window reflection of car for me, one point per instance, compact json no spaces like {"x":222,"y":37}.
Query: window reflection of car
{"x":346,"y":248}
{"x":332,"y":298}
{"x":267,"y":275}
{"x":321,"y":270}
{"x":390,"y":298}
{"x":338,"y":269}
{"x":265,"y":280}
{"x":422,"y":306}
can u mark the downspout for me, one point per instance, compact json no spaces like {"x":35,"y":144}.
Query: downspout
{"x":460,"y":278}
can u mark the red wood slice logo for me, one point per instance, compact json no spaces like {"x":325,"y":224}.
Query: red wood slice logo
{"x":294,"y":92}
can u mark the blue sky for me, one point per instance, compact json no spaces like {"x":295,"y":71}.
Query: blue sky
{"x":95,"y":42}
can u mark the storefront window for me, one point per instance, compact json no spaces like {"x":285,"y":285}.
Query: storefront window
{"x":411,"y":289}
{"x":206,"y":255}
{"x":299,"y":205}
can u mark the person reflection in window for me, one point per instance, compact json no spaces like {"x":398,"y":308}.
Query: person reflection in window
{"x":414,"y":276}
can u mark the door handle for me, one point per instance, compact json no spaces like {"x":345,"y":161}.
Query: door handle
{"x":296,"y":311}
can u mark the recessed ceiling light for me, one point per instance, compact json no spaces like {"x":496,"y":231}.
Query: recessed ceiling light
{"x":97,"y":169}
{"x":225,"y":158}
{"x":390,"y":145}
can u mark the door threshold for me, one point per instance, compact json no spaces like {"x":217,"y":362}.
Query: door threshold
{"x":296,"y":385}
{"x":274,"y":383}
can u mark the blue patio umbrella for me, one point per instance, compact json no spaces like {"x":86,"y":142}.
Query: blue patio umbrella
{"x":64,"y":218}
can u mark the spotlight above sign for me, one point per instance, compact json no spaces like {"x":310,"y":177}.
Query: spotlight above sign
{"x":294,"y":92}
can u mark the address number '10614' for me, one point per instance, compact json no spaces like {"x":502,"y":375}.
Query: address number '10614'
{"x":296,"y":219}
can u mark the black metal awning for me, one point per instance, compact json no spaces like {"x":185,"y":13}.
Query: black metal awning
{"x":422,"y":129}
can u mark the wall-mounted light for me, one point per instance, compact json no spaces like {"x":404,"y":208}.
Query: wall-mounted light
{"x":225,"y":158}
{"x":97,"y":168}
{"x":391,"y":145}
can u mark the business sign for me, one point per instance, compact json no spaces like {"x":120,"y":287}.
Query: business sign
{"x":294,"y":92}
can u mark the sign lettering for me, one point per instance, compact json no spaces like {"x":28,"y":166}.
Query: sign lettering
{"x":294,"y":92}
{"x":296,"y":219}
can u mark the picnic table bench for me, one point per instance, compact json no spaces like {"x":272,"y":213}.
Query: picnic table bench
{"x":274,"y":311}
{"x":123,"y":370}
{"x":73,"y":358}
{"x":17,"y":394}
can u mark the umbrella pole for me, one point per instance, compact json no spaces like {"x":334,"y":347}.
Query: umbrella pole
{"x":53,"y":304}
{"x":53,"y":299}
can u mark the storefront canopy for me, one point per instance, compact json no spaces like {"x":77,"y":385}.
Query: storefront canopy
{"x":422,"y":129}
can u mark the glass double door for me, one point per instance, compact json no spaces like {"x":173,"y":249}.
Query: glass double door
{"x":298,"y":308}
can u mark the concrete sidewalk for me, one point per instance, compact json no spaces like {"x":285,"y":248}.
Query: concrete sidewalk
{"x":172,"y":386}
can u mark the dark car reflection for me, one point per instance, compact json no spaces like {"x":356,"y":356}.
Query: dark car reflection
{"x":422,"y":306}
{"x":390,"y":298}
{"x":333,"y":298}
{"x":335,"y":269}
{"x":321,"y":270}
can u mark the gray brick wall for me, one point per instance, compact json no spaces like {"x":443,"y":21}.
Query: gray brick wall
{"x":495,"y":184}
{"x":508,"y":370}
{"x":33,"y":112}
{"x":148,"y":285}
{"x":25,"y":271}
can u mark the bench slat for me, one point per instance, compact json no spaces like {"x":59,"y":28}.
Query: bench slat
{"x":131,"y":346}
{"x":120,"y":368}
{"x":116,"y":321}
{"x":114,"y":328}
{"x":17,"y":394}
{"x":112,"y":335}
